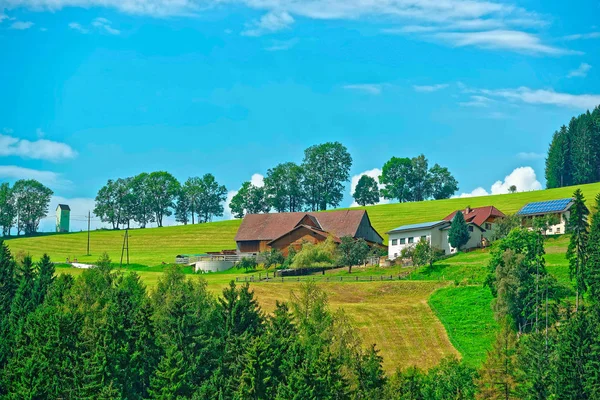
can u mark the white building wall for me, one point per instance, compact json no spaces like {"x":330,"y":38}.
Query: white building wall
{"x":394,"y":250}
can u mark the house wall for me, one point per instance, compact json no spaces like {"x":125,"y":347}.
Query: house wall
{"x":296,"y":239}
{"x":558,"y":229}
{"x":366,"y":231}
{"x":252,"y":246}
{"x":433,"y":235}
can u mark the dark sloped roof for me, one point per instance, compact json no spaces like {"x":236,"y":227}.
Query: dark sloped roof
{"x":272,"y":226}
{"x":478,"y":215}
{"x":424,"y":225}
{"x":64,"y":207}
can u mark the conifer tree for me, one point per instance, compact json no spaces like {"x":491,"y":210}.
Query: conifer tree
{"x":370,"y":375}
{"x":43,"y":279}
{"x":577,"y":226}
{"x":497,"y":375}
{"x":593,"y":256}
{"x":534,"y":358}
{"x":171,"y":378}
{"x":24,"y":301}
{"x":459,"y":234}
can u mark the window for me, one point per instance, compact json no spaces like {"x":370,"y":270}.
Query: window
{"x":558,"y":229}
{"x":488,"y":226}
{"x":411,"y":240}
{"x":403,"y":241}
{"x":394,"y":242}
{"x":470,"y":228}
{"x":423,"y":237}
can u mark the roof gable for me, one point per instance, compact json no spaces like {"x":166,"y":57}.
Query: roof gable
{"x":63,"y":207}
{"x":263,"y":227}
{"x":478,"y":215}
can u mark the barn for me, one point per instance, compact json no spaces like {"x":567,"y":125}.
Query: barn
{"x":260,"y":232}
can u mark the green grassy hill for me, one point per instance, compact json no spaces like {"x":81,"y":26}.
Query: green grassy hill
{"x":157,"y":245}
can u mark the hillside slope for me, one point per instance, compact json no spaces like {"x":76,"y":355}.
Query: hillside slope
{"x":157,"y":245}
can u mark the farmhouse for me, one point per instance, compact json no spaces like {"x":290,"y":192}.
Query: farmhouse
{"x":259,"y":232}
{"x":559,"y":208}
{"x":436,"y":233}
{"x":484,"y":217}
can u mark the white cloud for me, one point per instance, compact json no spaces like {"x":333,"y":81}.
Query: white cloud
{"x":99,"y":24}
{"x":477,"y":101}
{"x":578,"y":36}
{"x":430,"y":88}
{"x":271,"y":22}
{"x":546,"y":96}
{"x":280,"y":45}
{"x":518,"y":41}
{"x":257,"y":180}
{"x":21,"y":25}
{"x":530,"y":156}
{"x":581,"y":71}
{"x":524,"y":178}
{"x":3,"y":17}
{"x":105,"y":25}
{"x":41,"y":149}
{"x":370,"y":88}
{"x":76,"y":26}
{"x":373,"y":173}
{"x":49,"y":178}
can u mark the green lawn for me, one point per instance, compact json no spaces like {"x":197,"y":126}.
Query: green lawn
{"x":154,"y":246}
{"x":468,"y":318}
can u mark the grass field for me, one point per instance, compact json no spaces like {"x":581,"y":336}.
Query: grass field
{"x":154,"y":246}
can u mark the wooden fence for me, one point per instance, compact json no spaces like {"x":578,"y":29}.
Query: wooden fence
{"x":321,"y":278}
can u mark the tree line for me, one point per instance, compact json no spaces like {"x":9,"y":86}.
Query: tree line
{"x":104,"y":335}
{"x":318,"y":183}
{"x":148,"y":198}
{"x":547,"y":347}
{"x":23,"y":206}
{"x":574,"y":153}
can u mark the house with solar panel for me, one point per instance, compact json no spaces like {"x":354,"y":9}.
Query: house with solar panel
{"x":560,"y":208}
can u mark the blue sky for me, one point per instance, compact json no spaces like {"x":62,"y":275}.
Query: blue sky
{"x":98,"y":89}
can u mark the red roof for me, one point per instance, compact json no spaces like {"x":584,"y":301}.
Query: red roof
{"x":478,"y":215}
{"x":272,"y":226}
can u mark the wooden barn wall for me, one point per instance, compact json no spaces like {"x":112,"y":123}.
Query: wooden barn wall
{"x":366,"y":232}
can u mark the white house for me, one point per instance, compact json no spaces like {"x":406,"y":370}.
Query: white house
{"x":435,"y":232}
{"x":560,"y":208}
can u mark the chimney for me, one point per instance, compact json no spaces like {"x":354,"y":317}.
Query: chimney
{"x":468,"y":210}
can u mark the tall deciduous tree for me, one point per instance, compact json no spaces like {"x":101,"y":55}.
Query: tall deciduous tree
{"x":32,"y":200}
{"x":182,"y":208}
{"x":577,"y":226}
{"x":211,"y":198}
{"x":395,"y":179}
{"x":142,"y":211}
{"x":163,"y":188}
{"x":326,"y":168}
{"x":442,"y":184}
{"x":106,"y":204}
{"x":249,"y":199}
{"x":459,"y":235}
{"x":8,"y":210}
{"x":367,"y":191}
{"x":283,"y":185}
{"x":420,"y":179}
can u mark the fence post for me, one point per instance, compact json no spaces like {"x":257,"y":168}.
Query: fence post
{"x":357,"y":278}
{"x":282,"y":279}
{"x":371,"y":278}
{"x":341,"y":278}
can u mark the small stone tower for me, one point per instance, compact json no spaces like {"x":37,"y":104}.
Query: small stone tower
{"x":63,"y":217}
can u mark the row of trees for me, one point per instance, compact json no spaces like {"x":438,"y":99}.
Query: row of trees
{"x":547,"y":347}
{"x":574,"y":153}
{"x":148,"y":198}
{"x":406,"y":179}
{"x":316,"y":184}
{"x":23,"y":206}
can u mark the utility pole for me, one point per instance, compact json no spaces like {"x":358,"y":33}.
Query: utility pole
{"x":88,"y":242}
{"x":125,"y":246}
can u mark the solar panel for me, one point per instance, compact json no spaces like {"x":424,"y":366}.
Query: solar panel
{"x":543,"y":207}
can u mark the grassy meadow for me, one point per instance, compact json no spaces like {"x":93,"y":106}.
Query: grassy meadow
{"x":438,"y":311}
{"x":154,"y":246}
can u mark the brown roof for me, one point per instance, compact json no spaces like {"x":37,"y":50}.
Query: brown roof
{"x":478,"y":215}
{"x":272,"y":226}
{"x":311,"y":229}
